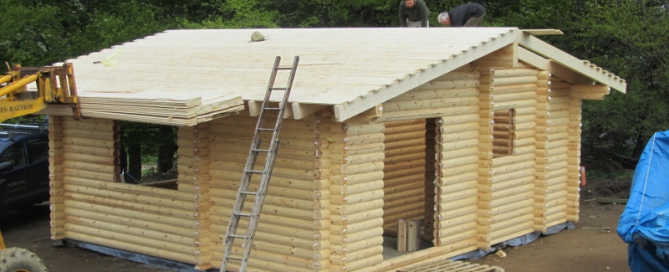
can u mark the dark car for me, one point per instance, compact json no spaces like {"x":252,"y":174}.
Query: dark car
{"x":24,"y":166}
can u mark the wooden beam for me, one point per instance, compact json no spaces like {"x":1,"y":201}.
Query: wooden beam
{"x":369,"y":116}
{"x":255,"y":107}
{"x":349,"y":109}
{"x":537,"y":32}
{"x":303,"y":110}
{"x":583,"y":67}
{"x":558,"y":70}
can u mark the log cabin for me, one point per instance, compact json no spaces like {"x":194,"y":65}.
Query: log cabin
{"x":474,"y":131}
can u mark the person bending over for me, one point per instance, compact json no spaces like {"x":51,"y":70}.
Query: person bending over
{"x":414,"y":13}
{"x":467,"y":15}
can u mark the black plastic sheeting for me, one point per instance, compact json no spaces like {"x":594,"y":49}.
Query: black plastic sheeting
{"x":519,"y":241}
{"x":140,"y":258}
{"x":179,"y":266}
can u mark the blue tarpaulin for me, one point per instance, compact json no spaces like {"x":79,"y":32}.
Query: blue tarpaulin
{"x":644,"y":224}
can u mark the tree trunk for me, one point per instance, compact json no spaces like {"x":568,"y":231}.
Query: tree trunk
{"x":639,"y":147}
{"x":166,"y":150}
{"x":135,"y":162}
{"x":123,"y":159}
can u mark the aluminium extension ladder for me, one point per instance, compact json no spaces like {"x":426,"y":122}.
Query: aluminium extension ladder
{"x":237,"y":212}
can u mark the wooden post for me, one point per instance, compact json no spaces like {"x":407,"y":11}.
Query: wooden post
{"x":574,"y":162}
{"x":413,"y":236}
{"x":402,"y":235}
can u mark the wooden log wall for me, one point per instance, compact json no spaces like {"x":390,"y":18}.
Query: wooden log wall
{"x":56,"y":178}
{"x":404,"y":171}
{"x":356,"y":154}
{"x":506,"y":181}
{"x":444,"y":96}
{"x":193,"y":169}
{"x":99,"y":210}
{"x":293,"y":233}
{"x":457,"y":137}
{"x":578,"y":93}
{"x":553,"y":124}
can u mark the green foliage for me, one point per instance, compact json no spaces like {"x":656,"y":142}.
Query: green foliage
{"x":120,"y":22}
{"x":628,"y":38}
{"x":148,"y":137}
{"x":30,"y":35}
{"x":606,"y":175}
{"x":239,"y":14}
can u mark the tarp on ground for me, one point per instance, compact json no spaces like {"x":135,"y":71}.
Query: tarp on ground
{"x":644,"y":224}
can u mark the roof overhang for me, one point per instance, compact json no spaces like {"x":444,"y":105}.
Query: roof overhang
{"x":542,"y":55}
{"x":373,"y":98}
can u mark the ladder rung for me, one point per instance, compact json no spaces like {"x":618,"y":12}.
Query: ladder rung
{"x":261,"y":150}
{"x":272,"y":108}
{"x":242,"y":214}
{"x":278,"y":89}
{"x":238,"y":236}
{"x":266,"y":129}
{"x":235,"y":258}
{"x":248,"y":192}
{"x":284,"y":68}
{"x":254,"y":171}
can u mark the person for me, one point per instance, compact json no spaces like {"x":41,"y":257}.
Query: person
{"x":414,"y":13}
{"x":467,"y":15}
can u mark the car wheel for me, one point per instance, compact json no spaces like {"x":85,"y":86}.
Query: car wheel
{"x":20,"y":260}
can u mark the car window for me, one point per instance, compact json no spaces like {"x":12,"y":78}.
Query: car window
{"x":14,"y":154}
{"x":38,"y":149}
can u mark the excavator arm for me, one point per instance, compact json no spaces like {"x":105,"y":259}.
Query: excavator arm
{"x":55,"y":84}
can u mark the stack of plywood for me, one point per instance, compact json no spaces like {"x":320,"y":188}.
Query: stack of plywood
{"x":404,"y":171}
{"x":293,"y":231}
{"x":179,"y":109}
{"x":506,"y":184}
{"x":553,"y":111}
{"x":152,"y":221}
{"x":356,"y":156}
{"x":457,"y":157}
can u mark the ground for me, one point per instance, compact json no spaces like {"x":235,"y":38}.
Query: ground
{"x":588,"y":247}
{"x":580,"y":249}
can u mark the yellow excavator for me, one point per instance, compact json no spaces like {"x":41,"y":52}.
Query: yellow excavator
{"x":19,"y":260}
{"x":54,"y":84}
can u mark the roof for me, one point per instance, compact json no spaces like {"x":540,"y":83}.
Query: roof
{"x":350,"y":69}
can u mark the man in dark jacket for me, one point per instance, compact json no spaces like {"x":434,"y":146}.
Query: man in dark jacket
{"x":414,"y":13}
{"x":467,"y":15}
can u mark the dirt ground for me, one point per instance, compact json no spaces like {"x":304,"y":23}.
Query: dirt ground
{"x":585,"y":248}
{"x":580,"y":249}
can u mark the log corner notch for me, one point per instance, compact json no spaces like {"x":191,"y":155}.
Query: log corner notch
{"x":296,"y":111}
{"x":367,"y":117}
